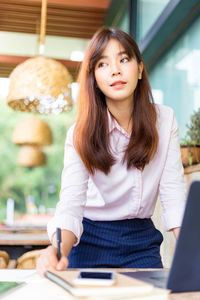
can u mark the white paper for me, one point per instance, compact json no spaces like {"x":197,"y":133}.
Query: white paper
{"x":29,"y":275}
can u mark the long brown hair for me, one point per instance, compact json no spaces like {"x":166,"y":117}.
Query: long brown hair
{"x":91,"y":136}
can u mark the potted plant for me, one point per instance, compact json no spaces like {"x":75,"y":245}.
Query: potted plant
{"x":190,"y":145}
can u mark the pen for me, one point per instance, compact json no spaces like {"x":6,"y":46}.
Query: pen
{"x":58,"y":234}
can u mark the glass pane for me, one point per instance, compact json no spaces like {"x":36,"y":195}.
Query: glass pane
{"x":121,"y":19}
{"x":148,"y":12}
{"x":175,"y":80}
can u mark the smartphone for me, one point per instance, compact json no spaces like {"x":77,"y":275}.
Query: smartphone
{"x":87,"y":277}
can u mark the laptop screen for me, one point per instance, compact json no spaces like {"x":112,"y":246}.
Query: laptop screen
{"x":184,"y":273}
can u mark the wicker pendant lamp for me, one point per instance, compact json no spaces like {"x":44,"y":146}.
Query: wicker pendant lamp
{"x":32,"y":131}
{"x":32,"y":134}
{"x":40,"y":84}
{"x":31,"y":156}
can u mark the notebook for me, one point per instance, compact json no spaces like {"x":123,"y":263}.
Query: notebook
{"x":184,"y":275}
{"x":124,"y":287}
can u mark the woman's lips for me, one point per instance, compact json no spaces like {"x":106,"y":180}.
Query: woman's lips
{"x":118,"y":83}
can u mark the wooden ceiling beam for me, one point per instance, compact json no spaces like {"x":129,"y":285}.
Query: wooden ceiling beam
{"x":50,"y":19}
{"x":15,"y":59}
{"x":78,"y":15}
{"x":75,"y":34}
{"x":18,"y":6}
{"x":16,"y":29}
{"x":67,"y":18}
{"x":9,"y":62}
{"x":52,"y":26}
{"x":50,"y":29}
{"x":52,"y":11}
{"x":104,"y":4}
{"x":12,"y":59}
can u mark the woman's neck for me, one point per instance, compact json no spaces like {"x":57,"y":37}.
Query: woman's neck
{"x":122,"y":114}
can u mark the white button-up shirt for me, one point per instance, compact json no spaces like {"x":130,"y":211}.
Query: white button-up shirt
{"x":123,"y":193}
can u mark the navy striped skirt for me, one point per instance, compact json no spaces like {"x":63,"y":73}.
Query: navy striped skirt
{"x":131,"y":243}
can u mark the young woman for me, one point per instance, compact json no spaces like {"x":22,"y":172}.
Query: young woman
{"x":122,"y":152}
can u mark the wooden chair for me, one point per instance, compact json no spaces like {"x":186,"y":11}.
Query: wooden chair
{"x":4,"y":259}
{"x":28,"y":260}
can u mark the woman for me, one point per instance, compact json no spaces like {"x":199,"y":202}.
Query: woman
{"x":121,"y":152}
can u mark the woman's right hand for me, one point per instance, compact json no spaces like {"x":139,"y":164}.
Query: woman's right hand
{"x":48,"y":261}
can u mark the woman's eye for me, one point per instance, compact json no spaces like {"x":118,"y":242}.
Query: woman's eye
{"x":101,"y":64}
{"x":124,"y":59}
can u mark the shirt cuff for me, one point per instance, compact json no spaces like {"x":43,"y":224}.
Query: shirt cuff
{"x":65,"y":222}
{"x":172,"y":219}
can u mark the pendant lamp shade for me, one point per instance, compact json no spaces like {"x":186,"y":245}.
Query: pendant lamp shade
{"x":31,"y":156}
{"x":41,"y":85}
{"x":32,"y":131}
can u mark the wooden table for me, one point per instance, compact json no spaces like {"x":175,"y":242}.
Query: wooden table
{"x":32,"y":239}
{"x":185,"y":296}
{"x":18,"y":240}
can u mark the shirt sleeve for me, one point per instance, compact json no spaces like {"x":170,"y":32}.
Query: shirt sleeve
{"x":74,"y":182}
{"x":172,"y":186}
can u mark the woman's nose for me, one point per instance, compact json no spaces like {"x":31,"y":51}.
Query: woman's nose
{"x":115,"y":69}
{"x":116,"y":73}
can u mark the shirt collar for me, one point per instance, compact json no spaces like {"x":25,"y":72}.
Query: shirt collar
{"x":113,"y":124}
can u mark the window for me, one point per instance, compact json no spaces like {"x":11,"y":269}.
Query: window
{"x":148,"y":13}
{"x":175,"y":79}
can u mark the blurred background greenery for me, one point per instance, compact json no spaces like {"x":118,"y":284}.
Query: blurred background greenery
{"x":42,"y":183}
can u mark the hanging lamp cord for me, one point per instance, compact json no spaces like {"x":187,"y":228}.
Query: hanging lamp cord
{"x":43,"y":26}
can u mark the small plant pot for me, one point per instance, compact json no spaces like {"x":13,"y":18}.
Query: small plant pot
{"x":190,"y":155}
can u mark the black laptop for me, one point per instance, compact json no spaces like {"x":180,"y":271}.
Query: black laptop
{"x":184,"y":275}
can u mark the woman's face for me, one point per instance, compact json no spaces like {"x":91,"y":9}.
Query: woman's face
{"x":116,"y":74}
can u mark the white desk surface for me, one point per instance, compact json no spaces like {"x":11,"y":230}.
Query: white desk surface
{"x":37,"y":288}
